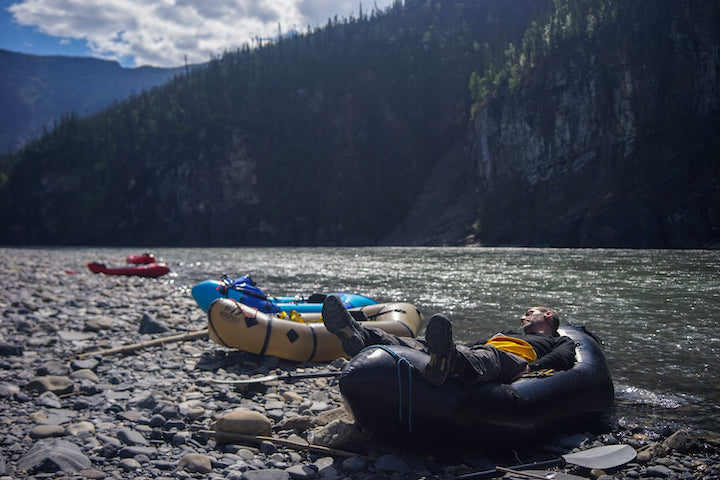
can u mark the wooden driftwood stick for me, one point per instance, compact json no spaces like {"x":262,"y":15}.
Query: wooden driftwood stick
{"x":243,"y":438}
{"x":137,"y":346}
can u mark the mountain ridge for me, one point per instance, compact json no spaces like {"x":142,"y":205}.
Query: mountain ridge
{"x":37,"y":90}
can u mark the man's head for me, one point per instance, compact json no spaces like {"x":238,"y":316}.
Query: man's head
{"x":541,"y":320}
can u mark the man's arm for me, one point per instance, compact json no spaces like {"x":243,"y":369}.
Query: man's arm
{"x":562,"y":356}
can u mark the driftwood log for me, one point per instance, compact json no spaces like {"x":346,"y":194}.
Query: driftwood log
{"x":231,"y":437}
{"x":182,"y":337}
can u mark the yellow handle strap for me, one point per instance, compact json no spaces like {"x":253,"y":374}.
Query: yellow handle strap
{"x":293,"y":316}
{"x":542,"y":373}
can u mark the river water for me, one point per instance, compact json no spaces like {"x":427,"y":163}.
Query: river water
{"x":657,"y":311}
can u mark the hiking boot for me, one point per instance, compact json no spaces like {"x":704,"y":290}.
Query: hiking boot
{"x":340,"y":323}
{"x":439,"y":340}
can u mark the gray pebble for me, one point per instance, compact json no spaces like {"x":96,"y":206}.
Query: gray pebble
{"x":354,"y":464}
{"x":48,"y":399}
{"x":131,"y":437}
{"x":302,"y":472}
{"x":129,"y":464}
{"x":157,"y":420}
{"x":660,"y":471}
{"x":51,"y":383}
{"x":266,"y":474}
{"x":133,"y":451}
{"x":148,"y":324}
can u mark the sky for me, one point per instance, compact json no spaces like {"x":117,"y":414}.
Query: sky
{"x":160,"y":33}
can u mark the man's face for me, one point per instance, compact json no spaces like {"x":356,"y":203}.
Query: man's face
{"x":535,"y":321}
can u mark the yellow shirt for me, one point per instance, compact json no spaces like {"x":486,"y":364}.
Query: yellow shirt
{"x":519,"y":347}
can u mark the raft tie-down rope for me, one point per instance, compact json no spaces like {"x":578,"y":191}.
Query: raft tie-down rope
{"x":400,"y":360}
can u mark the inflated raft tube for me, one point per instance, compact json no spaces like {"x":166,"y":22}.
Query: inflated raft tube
{"x":146,"y":270}
{"x":236,"y":325}
{"x":245,"y":291}
{"x":387,"y":394}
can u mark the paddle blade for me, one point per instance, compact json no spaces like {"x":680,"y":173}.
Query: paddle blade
{"x":608,"y":456}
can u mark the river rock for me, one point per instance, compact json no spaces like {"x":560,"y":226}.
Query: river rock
{"x":92,"y":474}
{"x":248,"y":422}
{"x":299,"y":423}
{"x":302,"y":472}
{"x":681,"y":441}
{"x":85,"y":374}
{"x":191,"y":409}
{"x":339,"y":434}
{"x":129,"y":464}
{"x":195,"y":463}
{"x":48,"y":399}
{"x":266,"y":474}
{"x":331,"y":415}
{"x":81,"y":428}
{"x":650,"y":452}
{"x":52,"y":455}
{"x":150,"y":324}
{"x":291,"y":396}
{"x":98,"y":324}
{"x":7,"y":349}
{"x":53,"y":367}
{"x":51,"y":383}
{"x":45,"y":431}
{"x":8,"y":391}
{"x":659,"y":471}
{"x":131,"y":437}
{"x":135,"y":450}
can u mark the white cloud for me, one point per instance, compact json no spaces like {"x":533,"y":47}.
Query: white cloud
{"x":166,"y":32}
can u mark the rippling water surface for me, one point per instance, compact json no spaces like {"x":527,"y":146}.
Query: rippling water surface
{"x":656,"y":310}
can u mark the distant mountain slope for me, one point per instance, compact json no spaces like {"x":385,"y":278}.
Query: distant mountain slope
{"x":35,"y":90}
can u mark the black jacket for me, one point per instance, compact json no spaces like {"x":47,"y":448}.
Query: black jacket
{"x":555,"y":352}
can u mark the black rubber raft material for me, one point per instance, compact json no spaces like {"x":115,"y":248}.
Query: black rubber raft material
{"x":385,"y":389}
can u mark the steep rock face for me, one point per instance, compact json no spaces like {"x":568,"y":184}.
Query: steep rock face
{"x":445,"y":210}
{"x":612,"y":146}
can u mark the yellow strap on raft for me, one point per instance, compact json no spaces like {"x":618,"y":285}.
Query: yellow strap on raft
{"x":293,"y":316}
{"x":519,"y":347}
{"x":545,"y":372}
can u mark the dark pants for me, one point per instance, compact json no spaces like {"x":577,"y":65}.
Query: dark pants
{"x":476,"y":364}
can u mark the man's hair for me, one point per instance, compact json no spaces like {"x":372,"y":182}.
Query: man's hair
{"x":554,"y":320}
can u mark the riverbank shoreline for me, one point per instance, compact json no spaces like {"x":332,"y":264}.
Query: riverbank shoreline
{"x":147,"y":413}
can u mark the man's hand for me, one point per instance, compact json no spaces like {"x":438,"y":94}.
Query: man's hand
{"x":524,"y":372}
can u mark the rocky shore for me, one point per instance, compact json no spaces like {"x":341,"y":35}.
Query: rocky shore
{"x":159,"y":412}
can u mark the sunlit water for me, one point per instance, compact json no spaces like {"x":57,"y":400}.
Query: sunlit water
{"x":657,"y":311}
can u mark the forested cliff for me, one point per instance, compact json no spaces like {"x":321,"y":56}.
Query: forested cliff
{"x":581,"y":124}
{"x":601,"y":130}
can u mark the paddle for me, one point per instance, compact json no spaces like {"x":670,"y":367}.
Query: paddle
{"x":268,"y":378}
{"x":607,"y":456}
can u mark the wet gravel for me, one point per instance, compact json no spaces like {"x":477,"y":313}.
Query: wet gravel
{"x":149,"y":413}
